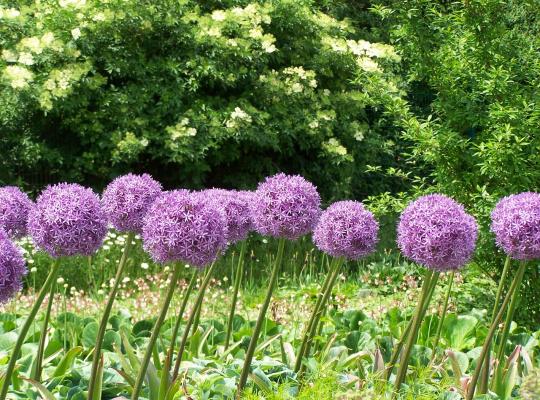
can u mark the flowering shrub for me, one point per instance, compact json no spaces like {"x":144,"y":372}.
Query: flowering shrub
{"x":277,"y":78}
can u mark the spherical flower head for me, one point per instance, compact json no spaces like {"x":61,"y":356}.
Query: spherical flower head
{"x":179,"y":226}
{"x":285,"y":206}
{"x":346,"y":229}
{"x":12,"y":270}
{"x":236,"y":208}
{"x":67,"y":220}
{"x":435,"y":231}
{"x":14,"y":208}
{"x":515,"y":221}
{"x":127,"y":198}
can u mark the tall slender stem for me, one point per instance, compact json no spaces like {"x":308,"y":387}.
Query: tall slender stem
{"x":38,"y":366}
{"x":302,"y":348}
{"x":443,"y":316}
{"x":336,"y":264}
{"x":411,"y":340}
{"x":507,"y":323}
{"x":24,"y":330}
{"x":483,"y":385}
{"x":515,"y":284}
{"x":198,"y":309}
{"x":260,"y":320}
{"x":180,"y":315}
{"x":237,"y":281}
{"x":155,"y":332}
{"x":403,"y":338}
{"x":189,"y":323}
{"x":105,"y":318}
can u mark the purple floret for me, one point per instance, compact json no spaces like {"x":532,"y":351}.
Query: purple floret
{"x":515,"y":221}
{"x":126,"y":200}
{"x":346,"y":229}
{"x":12,"y":270}
{"x":435,"y":231}
{"x":67,"y":220}
{"x":285,"y":206}
{"x":235,"y":206}
{"x":14,"y":208}
{"x":181,"y":227}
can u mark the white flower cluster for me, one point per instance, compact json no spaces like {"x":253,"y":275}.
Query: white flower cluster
{"x":181,"y":129}
{"x":248,"y":19}
{"x":9,"y":13}
{"x":364,"y":51}
{"x":294,"y":79}
{"x":17,"y":76}
{"x":238,"y":115}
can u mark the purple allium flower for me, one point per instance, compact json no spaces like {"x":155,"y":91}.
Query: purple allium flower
{"x":126,"y":200}
{"x":515,"y":221}
{"x":435,"y":231}
{"x":285,"y":206}
{"x":346,"y":229}
{"x":14,"y":208}
{"x":180,"y":227}
{"x":12,"y":270}
{"x":235,"y":205}
{"x":67,"y":220}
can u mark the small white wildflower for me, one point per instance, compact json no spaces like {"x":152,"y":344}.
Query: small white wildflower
{"x":101,"y":292}
{"x":47,"y":39}
{"x":33,"y":269}
{"x":268,"y":46}
{"x":9,"y":13}
{"x":144,"y":265}
{"x":30,"y":261}
{"x":60,"y":281}
{"x":126,"y":279}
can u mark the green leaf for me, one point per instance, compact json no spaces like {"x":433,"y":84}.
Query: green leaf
{"x":66,"y":363}
{"x":47,"y":395}
{"x":458,"y":331}
{"x":89,"y":335}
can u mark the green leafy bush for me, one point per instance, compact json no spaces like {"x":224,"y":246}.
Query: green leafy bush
{"x":474,"y":112}
{"x":196,"y":92}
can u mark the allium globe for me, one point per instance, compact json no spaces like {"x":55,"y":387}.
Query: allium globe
{"x":515,"y":221}
{"x":286,"y":206}
{"x":180,"y":227}
{"x":12,"y":270}
{"x":435,"y":231}
{"x":14,"y":208}
{"x":67,"y":220}
{"x":236,"y":208}
{"x":346,"y":229}
{"x":127,"y":198}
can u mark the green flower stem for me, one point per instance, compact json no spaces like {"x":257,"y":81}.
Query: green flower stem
{"x":260,"y":320}
{"x":237,"y":281}
{"x":192,"y":315}
{"x":155,"y":332}
{"x":483,"y":384}
{"x":507,"y":323}
{"x":317,"y":313}
{"x":198,"y":309}
{"x":24,"y":330}
{"x":417,"y":320}
{"x":105,"y":318}
{"x":443,"y":316}
{"x":405,"y":334}
{"x":180,"y":315}
{"x":38,"y":366}
{"x":487,"y":342}
{"x":302,"y":349}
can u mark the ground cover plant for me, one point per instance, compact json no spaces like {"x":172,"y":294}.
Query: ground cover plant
{"x":246,"y":344}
